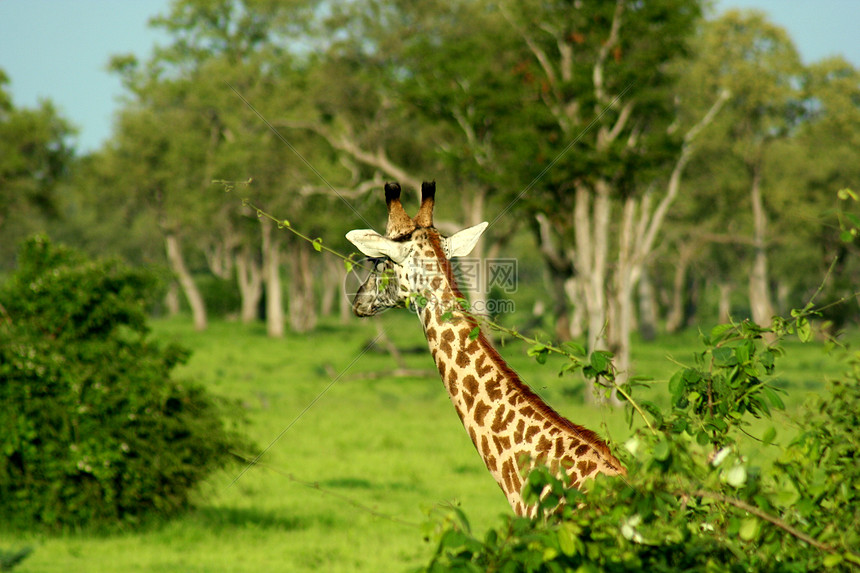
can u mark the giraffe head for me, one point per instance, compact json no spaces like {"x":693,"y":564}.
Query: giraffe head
{"x":405,"y":262}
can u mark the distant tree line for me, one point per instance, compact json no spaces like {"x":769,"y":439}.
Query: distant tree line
{"x":667,"y":166}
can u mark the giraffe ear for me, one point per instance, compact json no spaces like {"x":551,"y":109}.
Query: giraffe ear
{"x":373,"y":244}
{"x":462,"y":242}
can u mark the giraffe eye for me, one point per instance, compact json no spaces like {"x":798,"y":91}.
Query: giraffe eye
{"x":380,"y":265}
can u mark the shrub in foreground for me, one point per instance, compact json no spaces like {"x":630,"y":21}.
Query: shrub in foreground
{"x":94,"y":431}
{"x":696,"y":498}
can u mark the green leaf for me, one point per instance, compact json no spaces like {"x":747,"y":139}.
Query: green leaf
{"x":677,"y":384}
{"x":804,"y":330}
{"x":317,"y":243}
{"x":653,"y":409}
{"x":749,"y":529}
{"x":832,"y":560}
{"x":474,"y":333}
{"x":846,"y":194}
{"x":662,"y":451}
{"x":773,"y":398}
{"x":575,"y":348}
{"x":601,"y":360}
{"x":719,"y":332}
{"x":724,"y":357}
{"x":568,"y":540}
{"x":348,"y":264}
{"x":539,"y":352}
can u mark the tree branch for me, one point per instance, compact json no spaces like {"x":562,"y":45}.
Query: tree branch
{"x":611,"y":41}
{"x":342,"y":142}
{"x":547,"y":67}
{"x":740,"y":504}
{"x":674,"y":185}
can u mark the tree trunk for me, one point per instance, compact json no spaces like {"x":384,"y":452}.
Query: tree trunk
{"x":591,"y":224}
{"x":302,"y":305}
{"x":192,"y":293}
{"x":626,"y":277}
{"x":171,"y":299}
{"x":760,"y":304}
{"x":560,"y":271}
{"x":272,"y":273}
{"x":647,"y":308}
{"x":249,"y":275}
{"x":725,"y":303}
{"x":332,"y":285}
{"x":677,"y":318}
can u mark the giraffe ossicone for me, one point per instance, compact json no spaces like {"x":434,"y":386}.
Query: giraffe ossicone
{"x":511,"y":427}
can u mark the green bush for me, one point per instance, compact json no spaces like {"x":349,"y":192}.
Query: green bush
{"x":695,"y":497}
{"x":94,"y":432}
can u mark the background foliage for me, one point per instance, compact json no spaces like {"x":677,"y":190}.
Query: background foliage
{"x":646,"y":173}
{"x":95,"y":430}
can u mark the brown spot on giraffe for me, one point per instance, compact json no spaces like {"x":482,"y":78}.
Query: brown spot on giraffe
{"x":447,"y":337}
{"x":470,"y":383}
{"x":502,"y":419}
{"x":586,"y":467}
{"x":485,"y":446}
{"x":445,"y":347}
{"x":469,"y":399}
{"x":463,"y":359}
{"x":543,"y":445}
{"x":481,"y":366}
{"x":481,"y":409}
{"x":559,"y":448}
{"x":494,"y":389}
{"x":503,"y":443}
{"x":518,"y":433}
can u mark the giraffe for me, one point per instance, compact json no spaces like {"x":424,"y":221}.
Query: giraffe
{"x":511,"y":427}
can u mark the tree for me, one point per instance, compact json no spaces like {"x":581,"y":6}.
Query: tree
{"x":756,"y":62}
{"x":606,"y":74}
{"x":35,"y":155}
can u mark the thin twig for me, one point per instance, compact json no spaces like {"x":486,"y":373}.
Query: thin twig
{"x":740,"y":504}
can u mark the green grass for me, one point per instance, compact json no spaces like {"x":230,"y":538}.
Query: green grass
{"x":351,"y":464}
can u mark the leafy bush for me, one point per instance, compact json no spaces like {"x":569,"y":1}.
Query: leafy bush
{"x":693,"y":500}
{"x":93,"y":429}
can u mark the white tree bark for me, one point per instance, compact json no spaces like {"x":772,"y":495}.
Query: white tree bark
{"x":249,"y":276}
{"x":761,"y":307}
{"x":302,"y":308}
{"x":186,"y":281}
{"x":272,"y":274}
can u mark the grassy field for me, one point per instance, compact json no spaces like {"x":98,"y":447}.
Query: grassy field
{"x":351,"y":463}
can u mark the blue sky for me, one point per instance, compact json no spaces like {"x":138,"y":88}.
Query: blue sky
{"x":59,"y":49}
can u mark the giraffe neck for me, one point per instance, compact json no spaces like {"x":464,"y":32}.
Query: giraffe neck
{"x":511,"y":427}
